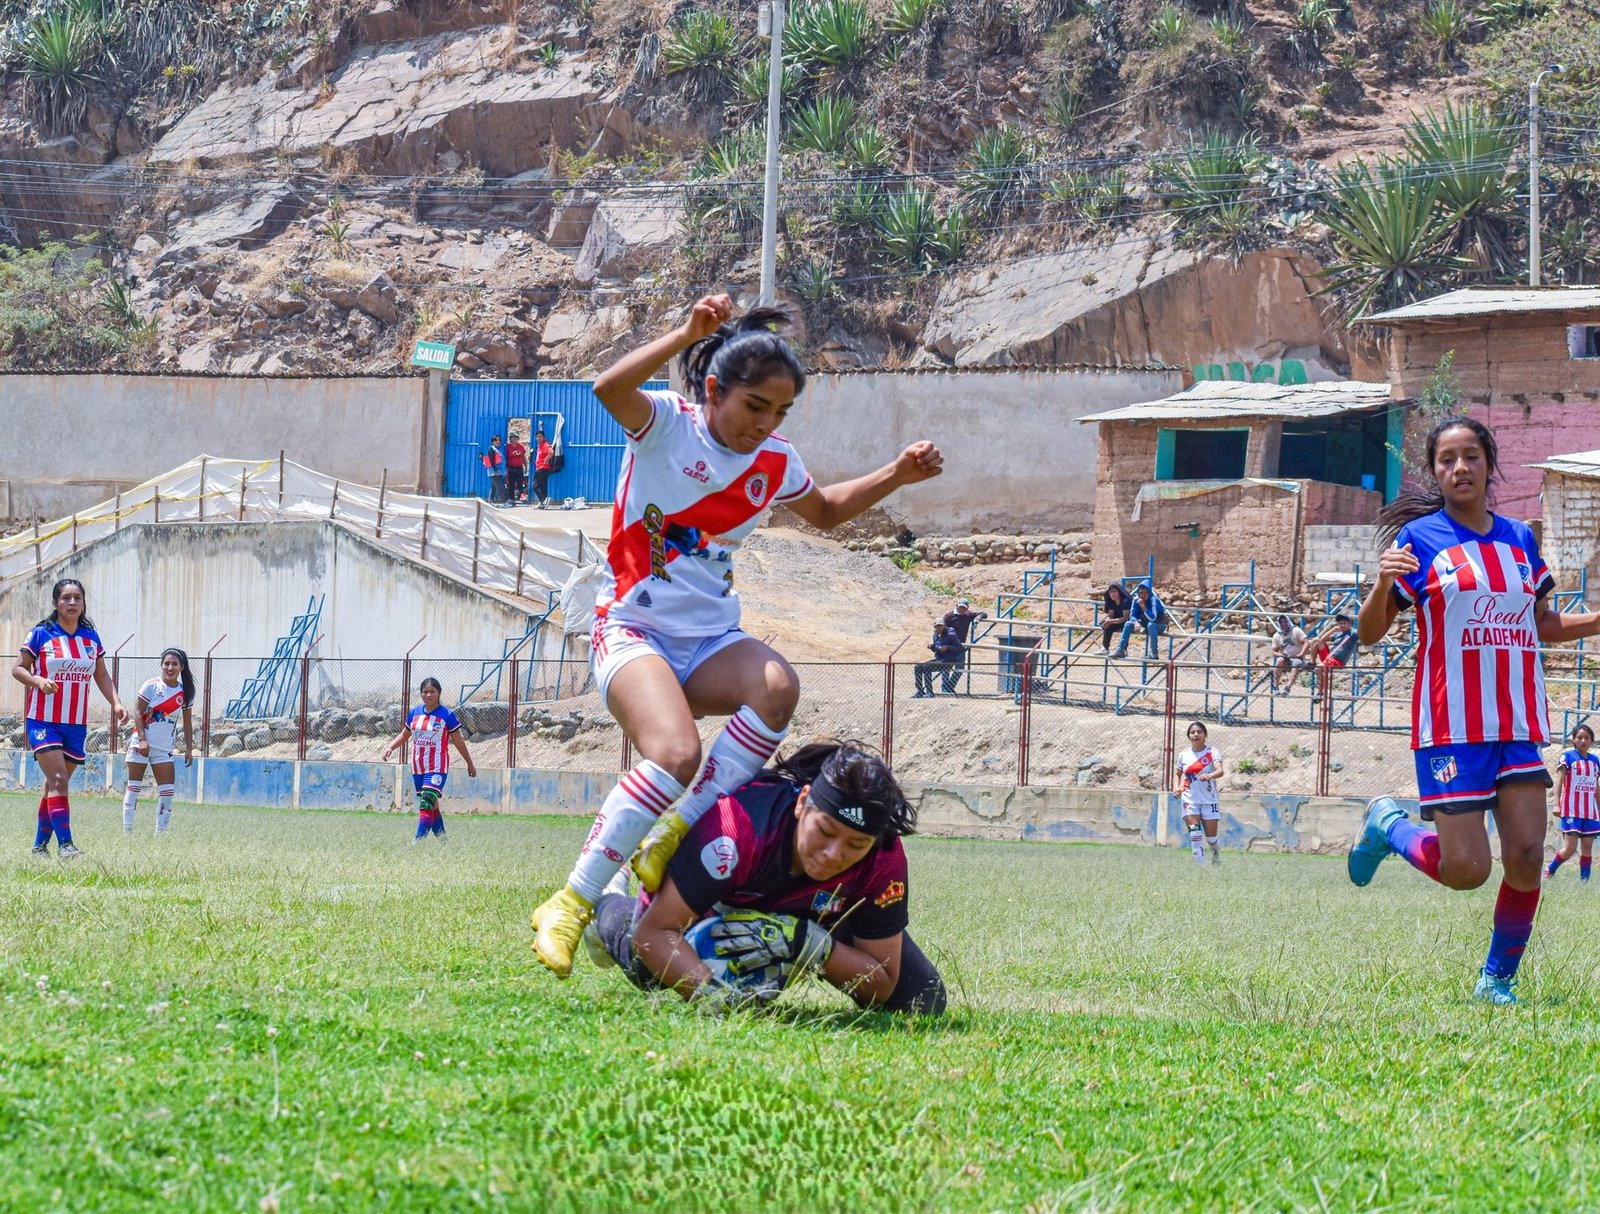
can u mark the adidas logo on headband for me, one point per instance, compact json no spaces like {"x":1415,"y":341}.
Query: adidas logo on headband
{"x":851,"y":814}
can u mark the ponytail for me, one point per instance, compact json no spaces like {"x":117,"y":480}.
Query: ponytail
{"x":743,"y":352}
{"x":185,"y":675}
{"x":1417,"y":501}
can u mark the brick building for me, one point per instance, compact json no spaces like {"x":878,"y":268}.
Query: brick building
{"x":1571,"y":539}
{"x":1529,"y":365}
{"x":1224,"y":474}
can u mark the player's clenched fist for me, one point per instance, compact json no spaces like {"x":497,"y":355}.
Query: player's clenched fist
{"x":919,"y":462}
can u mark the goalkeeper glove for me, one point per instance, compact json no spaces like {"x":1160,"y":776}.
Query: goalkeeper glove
{"x":752,"y":940}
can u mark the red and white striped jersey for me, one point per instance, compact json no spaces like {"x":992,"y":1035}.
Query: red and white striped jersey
{"x":1578,"y":794}
{"x":1479,"y":674}
{"x":163,"y":705}
{"x":430,"y":739}
{"x":68,"y":660}
{"x":684,"y":504}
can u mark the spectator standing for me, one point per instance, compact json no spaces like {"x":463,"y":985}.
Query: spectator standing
{"x":1148,"y":613}
{"x":1116,"y":608}
{"x":960,"y":622}
{"x":1337,"y":647}
{"x":516,"y":469}
{"x":494,"y":463}
{"x":542,"y":455}
{"x":1289,"y":649}
{"x":947,"y":651}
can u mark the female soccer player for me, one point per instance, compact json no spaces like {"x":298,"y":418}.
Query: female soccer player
{"x":1575,"y":801}
{"x":155,"y":736}
{"x":667,"y":646}
{"x":806,"y":867}
{"x":1479,"y":713}
{"x":1199,"y":769}
{"x":433,"y":729}
{"x":60,"y":658}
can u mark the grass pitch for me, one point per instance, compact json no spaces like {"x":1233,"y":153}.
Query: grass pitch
{"x":266,"y":1010}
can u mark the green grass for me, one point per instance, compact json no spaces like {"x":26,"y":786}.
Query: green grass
{"x":268,"y":1010}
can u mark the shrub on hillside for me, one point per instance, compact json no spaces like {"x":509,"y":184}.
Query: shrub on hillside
{"x":59,"y":312}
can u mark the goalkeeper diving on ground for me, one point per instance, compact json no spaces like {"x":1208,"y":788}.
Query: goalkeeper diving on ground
{"x":800,"y":871}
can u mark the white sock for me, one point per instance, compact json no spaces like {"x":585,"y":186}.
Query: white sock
{"x":1197,"y":841}
{"x":163,"y":806}
{"x":627,"y":815}
{"x":741,"y":750}
{"x":130,"y":804}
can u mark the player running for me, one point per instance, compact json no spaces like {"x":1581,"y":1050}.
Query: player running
{"x":59,"y":660}
{"x":1576,"y":779}
{"x":433,"y":729}
{"x":806,"y":867}
{"x":1199,"y":769}
{"x":667,"y":648}
{"x":155,"y":736}
{"x":1479,"y":713}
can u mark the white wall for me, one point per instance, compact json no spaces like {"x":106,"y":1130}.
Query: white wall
{"x":1016,"y":458}
{"x":127,"y":428}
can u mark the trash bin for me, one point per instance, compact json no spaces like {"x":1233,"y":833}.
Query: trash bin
{"x":1018,"y":647}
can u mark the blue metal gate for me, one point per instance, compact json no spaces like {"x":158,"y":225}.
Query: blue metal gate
{"x":478,"y":409}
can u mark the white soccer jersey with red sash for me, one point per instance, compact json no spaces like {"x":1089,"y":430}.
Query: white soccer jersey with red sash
{"x":1479,"y":674}
{"x":163,"y":704}
{"x":1578,"y":794}
{"x":68,"y":661}
{"x":684,"y":504}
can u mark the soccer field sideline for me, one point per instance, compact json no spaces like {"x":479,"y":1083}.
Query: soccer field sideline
{"x":306,"y":1011}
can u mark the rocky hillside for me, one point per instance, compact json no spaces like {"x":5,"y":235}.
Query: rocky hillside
{"x":268,"y":186}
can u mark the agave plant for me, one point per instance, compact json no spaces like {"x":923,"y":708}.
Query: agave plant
{"x":872,"y":151}
{"x":1231,"y":35}
{"x":1064,"y":109}
{"x":824,"y":125}
{"x":1106,"y":196}
{"x":1170,"y":26}
{"x":701,"y":46}
{"x":907,"y":227}
{"x":858,"y":205}
{"x":813,"y":280}
{"x":909,"y":16}
{"x":1468,"y":151}
{"x":750,"y":82}
{"x":1391,"y":234}
{"x":1207,"y":186}
{"x":1446,"y":22}
{"x":994,"y":174}
{"x":829,"y":35}
{"x":1315,"y":21}
{"x":57,"y":51}
{"x":736,"y":165}
{"x":951,"y":237}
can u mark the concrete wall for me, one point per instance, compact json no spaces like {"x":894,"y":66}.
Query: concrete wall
{"x":1261,"y":822}
{"x":187,"y":584}
{"x":128,"y":428}
{"x":1571,"y":541}
{"x":1015,"y":458}
{"x":1518,"y":378}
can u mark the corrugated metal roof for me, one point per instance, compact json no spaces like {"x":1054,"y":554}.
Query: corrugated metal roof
{"x":1480,"y":302}
{"x":997,"y":369}
{"x":1211,"y":399}
{"x":1581,"y":463}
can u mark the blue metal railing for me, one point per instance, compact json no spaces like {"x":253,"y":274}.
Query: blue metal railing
{"x":495,"y":669}
{"x":275,"y":686}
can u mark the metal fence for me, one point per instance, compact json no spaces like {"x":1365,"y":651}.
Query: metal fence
{"x":1008,"y":717}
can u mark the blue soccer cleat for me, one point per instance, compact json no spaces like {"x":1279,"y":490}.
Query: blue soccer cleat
{"x":1372,"y":844}
{"x":1494,"y":990}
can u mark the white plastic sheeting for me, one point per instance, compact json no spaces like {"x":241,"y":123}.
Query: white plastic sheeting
{"x":468,"y":538}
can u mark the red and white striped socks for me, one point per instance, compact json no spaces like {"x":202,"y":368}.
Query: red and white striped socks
{"x":742,"y":749}
{"x":625,"y":818}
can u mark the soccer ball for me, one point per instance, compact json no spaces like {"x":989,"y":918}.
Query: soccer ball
{"x":759,"y":986}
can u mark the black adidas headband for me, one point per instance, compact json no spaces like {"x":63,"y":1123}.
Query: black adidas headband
{"x":869,"y":819}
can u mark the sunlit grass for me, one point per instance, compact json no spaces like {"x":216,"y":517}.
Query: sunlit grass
{"x":267,"y":1009}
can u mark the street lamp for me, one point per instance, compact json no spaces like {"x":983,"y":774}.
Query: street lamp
{"x":1555,"y":69}
{"x":770,"y":25}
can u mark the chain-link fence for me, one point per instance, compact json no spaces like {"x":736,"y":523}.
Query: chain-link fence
{"x":1014,"y":715}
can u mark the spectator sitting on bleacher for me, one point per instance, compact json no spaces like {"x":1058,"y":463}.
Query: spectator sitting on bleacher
{"x":1337,"y":647}
{"x":946,"y":655}
{"x":1289,"y":649}
{"x":960,"y":622}
{"x":1149,"y":613}
{"x":1117,"y":606}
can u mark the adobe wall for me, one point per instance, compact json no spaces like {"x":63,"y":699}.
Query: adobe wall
{"x":1520,"y":381}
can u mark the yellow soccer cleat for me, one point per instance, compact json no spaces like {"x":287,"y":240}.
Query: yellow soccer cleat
{"x":650,"y":861}
{"x":559,"y":923}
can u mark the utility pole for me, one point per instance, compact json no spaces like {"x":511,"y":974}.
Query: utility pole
{"x":770,"y":25}
{"x":1534,"y":250}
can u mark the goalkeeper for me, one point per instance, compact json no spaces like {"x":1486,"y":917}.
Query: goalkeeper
{"x":801,"y":871}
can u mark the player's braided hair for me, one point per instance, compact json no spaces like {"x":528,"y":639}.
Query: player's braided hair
{"x":55,"y":597}
{"x":185,"y":675}
{"x":742,"y":352}
{"x":856,"y":771}
{"x":1417,"y":501}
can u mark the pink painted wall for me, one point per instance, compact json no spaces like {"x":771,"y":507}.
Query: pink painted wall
{"x":1530,"y":434}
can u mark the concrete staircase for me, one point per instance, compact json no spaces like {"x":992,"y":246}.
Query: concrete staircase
{"x":1339,"y":549}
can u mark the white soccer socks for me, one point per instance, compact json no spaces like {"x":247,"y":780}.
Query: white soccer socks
{"x":625,"y":818}
{"x":163,"y":807}
{"x":741,"y":750}
{"x":130,"y":805}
